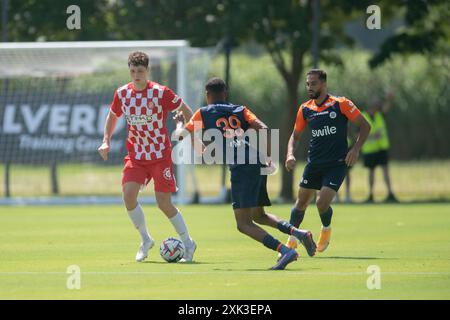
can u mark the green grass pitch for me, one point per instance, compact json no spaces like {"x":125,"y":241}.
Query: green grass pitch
{"x":409,"y":243}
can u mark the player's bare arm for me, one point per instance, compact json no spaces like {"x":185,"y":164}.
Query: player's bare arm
{"x":110,"y":124}
{"x":265,"y":143}
{"x":258,"y":125}
{"x":364,"y":129}
{"x":181,"y":132}
{"x":292,"y":146}
{"x":186,"y":111}
{"x":180,"y":120}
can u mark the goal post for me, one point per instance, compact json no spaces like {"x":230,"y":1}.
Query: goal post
{"x":54,"y":98}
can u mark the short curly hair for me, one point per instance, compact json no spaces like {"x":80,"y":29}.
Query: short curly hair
{"x":320,"y":73}
{"x":215,"y":86}
{"x":138,"y":58}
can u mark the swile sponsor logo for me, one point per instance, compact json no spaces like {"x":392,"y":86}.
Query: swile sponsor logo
{"x":325,"y":131}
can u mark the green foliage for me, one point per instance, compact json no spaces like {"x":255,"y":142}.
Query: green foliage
{"x":256,"y":83}
{"x":45,"y":20}
{"x":427,"y":31}
{"x":283,"y":28}
{"x":418,"y":121}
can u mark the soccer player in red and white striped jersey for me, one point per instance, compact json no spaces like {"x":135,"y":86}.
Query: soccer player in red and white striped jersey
{"x":146,"y":105}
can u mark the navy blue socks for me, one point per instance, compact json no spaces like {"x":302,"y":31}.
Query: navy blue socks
{"x":326,"y":217}
{"x":272,"y":243}
{"x":296,"y":217}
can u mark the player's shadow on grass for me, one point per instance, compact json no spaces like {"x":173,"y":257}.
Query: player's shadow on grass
{"x":262,"y":269}
{"x":178,"y":263}
{"x":240,"y":270}
{"x":355,"y":258}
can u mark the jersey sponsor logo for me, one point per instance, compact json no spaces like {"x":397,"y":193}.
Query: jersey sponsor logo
{"x":326,"y":131}
{"x":315,"y":114}
{"x":332,"y":114}
{"x":141,"y":119}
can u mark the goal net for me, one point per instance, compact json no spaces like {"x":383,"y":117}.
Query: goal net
{"x":54,"y":98}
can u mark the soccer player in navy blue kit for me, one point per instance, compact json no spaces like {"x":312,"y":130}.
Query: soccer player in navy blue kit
{"x":328,"y":156}
{"x":248,"y":184}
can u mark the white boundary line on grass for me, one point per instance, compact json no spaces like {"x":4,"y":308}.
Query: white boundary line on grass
{"x":287,"y":272}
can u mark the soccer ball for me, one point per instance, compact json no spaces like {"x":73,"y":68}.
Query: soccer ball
{"x":171,"y":249}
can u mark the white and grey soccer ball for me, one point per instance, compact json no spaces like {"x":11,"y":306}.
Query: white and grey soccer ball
{"x":172,"y":249}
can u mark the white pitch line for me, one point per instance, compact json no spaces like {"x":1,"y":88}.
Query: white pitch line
{"x":247,"y":273}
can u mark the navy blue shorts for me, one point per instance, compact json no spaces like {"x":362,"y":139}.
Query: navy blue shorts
{"x":248,"y":187}
{"x":316,"y":177}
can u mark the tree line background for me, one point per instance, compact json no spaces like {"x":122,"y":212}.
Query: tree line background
{"x":271,"y":45}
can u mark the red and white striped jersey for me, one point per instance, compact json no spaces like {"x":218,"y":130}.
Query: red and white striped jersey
{"x":146,"y":114}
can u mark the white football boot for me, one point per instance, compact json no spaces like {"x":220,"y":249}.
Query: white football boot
{"x":189,"y":252}
{"x":142,"y":253}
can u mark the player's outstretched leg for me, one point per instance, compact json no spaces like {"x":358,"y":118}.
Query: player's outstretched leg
{"x":325,"y":212}
{"x":246,"y":226}
{"x":165,"y":204}
{"x":286,"y":258}
{"x":136,"y":215}
{"x":304,"y":236}
{"x":304,"y":197}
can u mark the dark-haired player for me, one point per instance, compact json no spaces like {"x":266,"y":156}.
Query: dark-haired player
{"x":328,"y":157}
{"x":248,"y":184}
